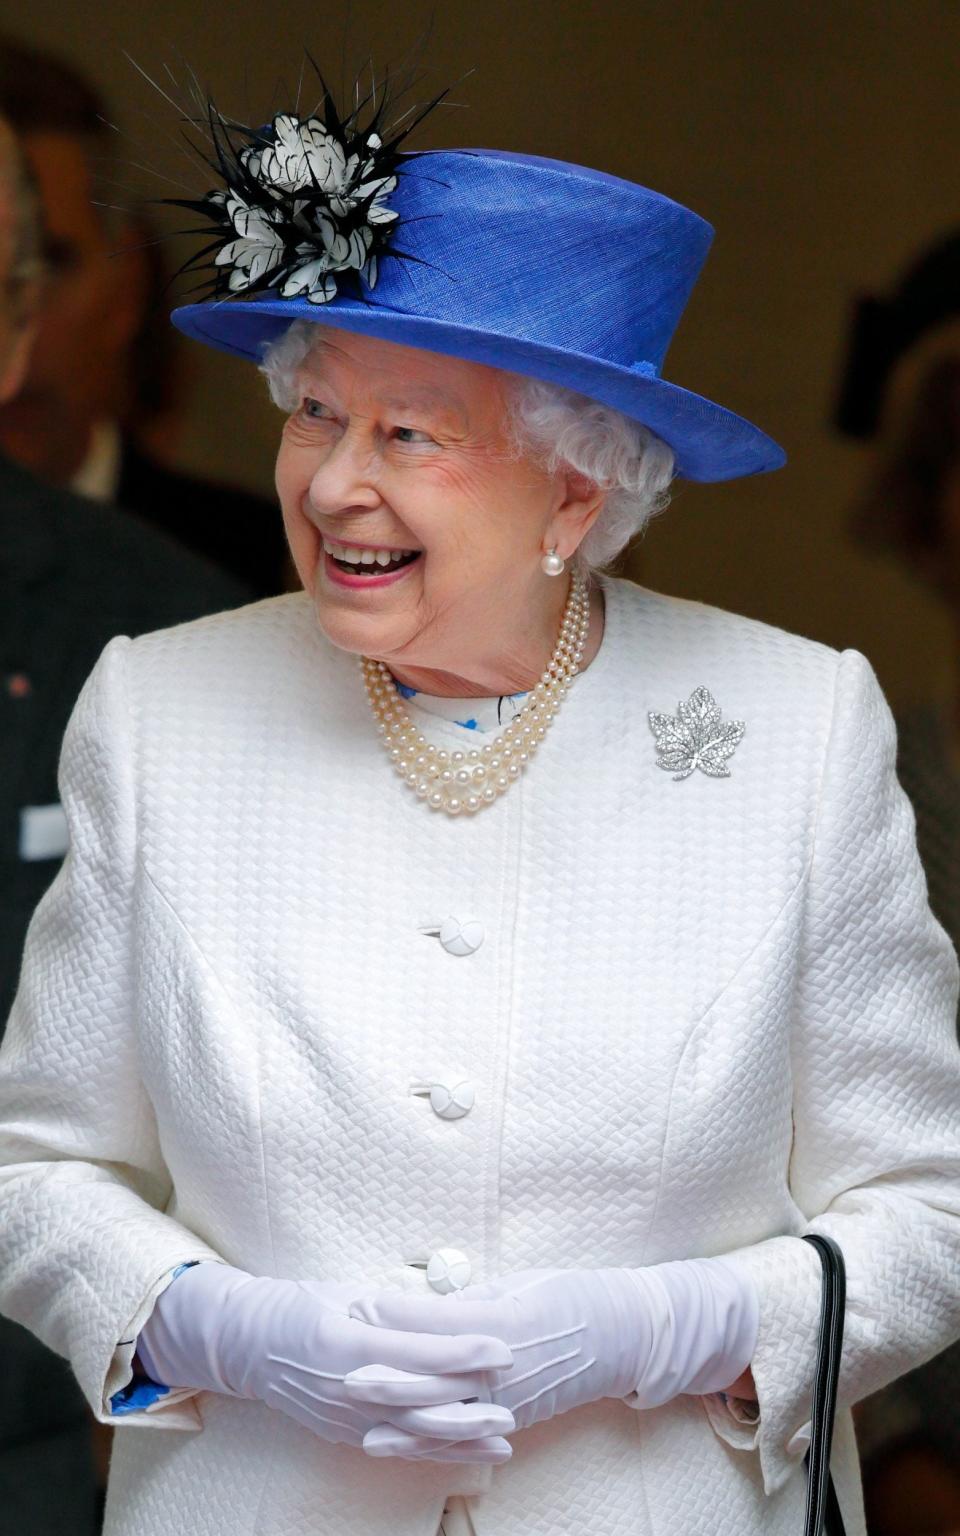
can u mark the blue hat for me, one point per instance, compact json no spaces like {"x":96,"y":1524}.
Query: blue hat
{"x":535,"y":266}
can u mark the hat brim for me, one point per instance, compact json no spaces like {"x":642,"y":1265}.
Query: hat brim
{"x":709,"y":442}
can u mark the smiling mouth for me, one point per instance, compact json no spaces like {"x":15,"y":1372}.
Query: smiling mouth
{"x":369,"y":562}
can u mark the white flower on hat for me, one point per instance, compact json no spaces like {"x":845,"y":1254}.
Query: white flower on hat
{"x":305,"y":199}
{"x":259,"y":247}
{"x":313,"y":277}
{"x":312,"y":280}
{"x":378,"y":212}
{"x":367,"y":187}
{"x":302,"y":155}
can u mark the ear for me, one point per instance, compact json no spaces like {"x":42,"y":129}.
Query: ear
{"x":580,"y":505}
{"x":13,"y":365}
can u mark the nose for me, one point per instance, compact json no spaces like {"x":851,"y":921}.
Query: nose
{"x":347,"y":478}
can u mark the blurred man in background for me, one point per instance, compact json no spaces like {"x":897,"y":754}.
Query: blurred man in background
{"x":102,"y":374}
{"x":902,"y":390}
{"x":73,"y":573}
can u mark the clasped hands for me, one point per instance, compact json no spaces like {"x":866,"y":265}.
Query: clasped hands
{"x":446,"y":1378}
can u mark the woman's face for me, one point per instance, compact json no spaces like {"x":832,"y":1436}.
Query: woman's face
{"x":395,"y":449}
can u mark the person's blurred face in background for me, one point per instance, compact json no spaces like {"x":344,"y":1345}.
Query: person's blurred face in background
{"x":91,"y":313}
{"x":81,"y":369}
{"x":910,"y":506}
{"x":900,"y":391}
{"x":20,"y":269}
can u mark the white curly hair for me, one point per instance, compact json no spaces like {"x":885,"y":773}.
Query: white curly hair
{"x":558,"y":429}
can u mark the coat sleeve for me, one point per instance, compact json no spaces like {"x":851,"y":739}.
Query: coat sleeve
{"x":85,"y":1248}
{"x":875,"y":1160}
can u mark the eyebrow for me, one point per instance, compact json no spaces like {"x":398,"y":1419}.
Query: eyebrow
{"x":449,"y":404}
{"x":418,"y":395}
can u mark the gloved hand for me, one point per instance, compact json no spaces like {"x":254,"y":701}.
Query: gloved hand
{"x":291,"y":1343}
{"x":581,"y":1334}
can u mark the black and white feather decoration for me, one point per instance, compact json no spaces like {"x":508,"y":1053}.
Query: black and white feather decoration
{"x":305,"y":202}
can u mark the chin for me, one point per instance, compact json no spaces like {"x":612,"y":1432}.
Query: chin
{"x":350,"y":631}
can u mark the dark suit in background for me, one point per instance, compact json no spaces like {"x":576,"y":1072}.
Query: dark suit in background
{"x":73,"y":573}
{"x":240,"y":532}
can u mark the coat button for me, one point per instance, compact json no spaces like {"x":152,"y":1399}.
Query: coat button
{"x":448,"y":1270}
{"x":452,"y":1100}
{"x":461,"y":938}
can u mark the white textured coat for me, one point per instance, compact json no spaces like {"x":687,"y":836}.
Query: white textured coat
{"x":706,"y":1015}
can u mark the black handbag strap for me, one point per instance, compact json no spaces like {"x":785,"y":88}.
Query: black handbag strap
{"x":823,"y":1517}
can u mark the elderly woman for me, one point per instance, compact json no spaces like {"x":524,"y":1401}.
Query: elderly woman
{"x":427,"y":1149}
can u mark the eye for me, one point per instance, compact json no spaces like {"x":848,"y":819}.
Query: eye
{"x":413,"y":435}
{"x":315,"y":410}
{"x":60,"y":255}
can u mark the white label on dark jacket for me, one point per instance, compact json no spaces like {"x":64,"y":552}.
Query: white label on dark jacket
{"x":43,"y":832}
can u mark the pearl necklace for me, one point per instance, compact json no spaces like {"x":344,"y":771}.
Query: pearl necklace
{"x":464,"y":782}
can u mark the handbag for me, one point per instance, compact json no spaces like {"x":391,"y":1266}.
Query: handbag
{"x":822,"y":1516}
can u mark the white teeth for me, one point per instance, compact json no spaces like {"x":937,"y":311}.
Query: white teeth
{"x":354,"y":556}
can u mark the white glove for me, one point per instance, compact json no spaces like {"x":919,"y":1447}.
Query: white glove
{"x":291,"y":1343}
{"x":581,"y":1334}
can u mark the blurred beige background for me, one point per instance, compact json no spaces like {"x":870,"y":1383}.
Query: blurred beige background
{"x":820,"y":139}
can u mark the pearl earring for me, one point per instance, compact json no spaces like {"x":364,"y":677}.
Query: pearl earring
{"x":552,"y":563}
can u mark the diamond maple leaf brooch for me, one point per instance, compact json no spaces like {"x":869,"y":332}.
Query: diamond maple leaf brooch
{"x":695,"y":738}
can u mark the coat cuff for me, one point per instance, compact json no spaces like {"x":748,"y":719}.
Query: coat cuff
{"x":137,"y":1400}
{"x":787,"y":1275}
